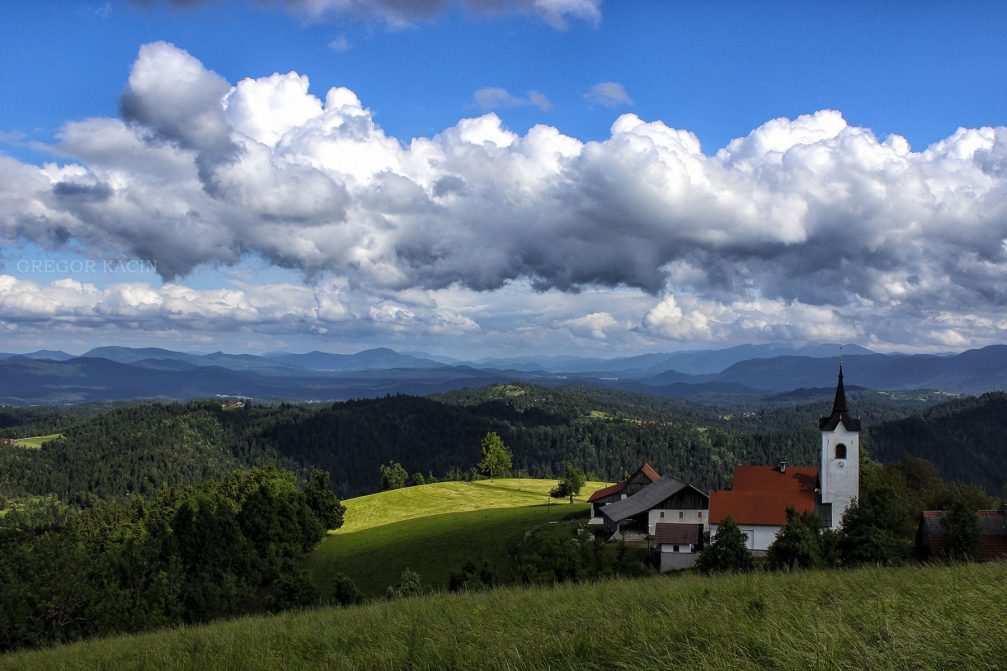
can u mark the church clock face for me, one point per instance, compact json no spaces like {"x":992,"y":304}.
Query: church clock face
{"x":840,"y":464}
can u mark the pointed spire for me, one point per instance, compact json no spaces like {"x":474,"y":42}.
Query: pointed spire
{"x":839,"y":405}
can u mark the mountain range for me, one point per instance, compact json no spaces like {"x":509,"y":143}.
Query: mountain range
{"x":123,"y":373}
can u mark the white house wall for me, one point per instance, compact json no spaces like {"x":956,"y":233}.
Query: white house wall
{"x":759,"y":537}
{"x":672,"y":515}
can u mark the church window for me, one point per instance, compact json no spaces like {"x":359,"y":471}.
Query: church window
{"x":840,"y":451}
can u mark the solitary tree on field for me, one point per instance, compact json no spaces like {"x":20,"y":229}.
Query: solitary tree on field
{"x":393,"y":476}
{"x":571,"y":483}
{"x":496,"y":457}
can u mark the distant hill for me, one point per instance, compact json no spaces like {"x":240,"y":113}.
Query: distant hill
{"x":973,"y":371}
{"x":137,"y":373}
{"x":378,"y":358}
{"x":46,"y":354}
{"x":963,"y":438}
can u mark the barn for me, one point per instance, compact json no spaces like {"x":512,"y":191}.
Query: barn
{"x":667,"y":500}
{"x":620,"y":490}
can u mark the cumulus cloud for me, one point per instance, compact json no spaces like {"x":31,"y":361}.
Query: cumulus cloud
{"x":400,"y":13}
{"x":595,"y":325}
{"x":340,"y":44}
{"x":496,"y":98}
{"x":608,"y":94}
{"x":278,"y":308}
{"x":802,"y":220}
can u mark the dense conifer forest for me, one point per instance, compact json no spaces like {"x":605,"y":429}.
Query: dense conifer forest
{"x":121,"y":451}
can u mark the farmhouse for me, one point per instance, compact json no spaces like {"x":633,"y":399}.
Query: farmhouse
{"x":667,"y":500}
{"x":931,"y":537}
{"x":631,"y":485}
{"x":760,"y":495}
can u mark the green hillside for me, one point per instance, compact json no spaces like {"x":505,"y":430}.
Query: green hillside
{"x":434,"y":529}
{"x":433,"y":546}
{"x":36,"y":441}
{"x":939,"y":617}
{"x":397,"y":505}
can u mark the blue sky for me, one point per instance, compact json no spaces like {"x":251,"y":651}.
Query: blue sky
{"x":719,"y":71}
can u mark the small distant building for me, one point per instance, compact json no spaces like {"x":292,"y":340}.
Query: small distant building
{"x":667,"y":500}
{"x":677,"y":545}
{"x":620,"y":490}
{"x":759,"y":498}
{"x":931,"y":537}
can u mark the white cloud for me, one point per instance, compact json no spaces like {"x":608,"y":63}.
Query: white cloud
{"x":402,"y":13}
{"x":595,"y":325}
{"x":608,"y":94}
{"x":498,"y":98}
{"x":828,"y":226}
{"x":340,"y":44}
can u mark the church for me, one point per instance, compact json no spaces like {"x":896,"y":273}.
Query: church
{"x":760,"y":495}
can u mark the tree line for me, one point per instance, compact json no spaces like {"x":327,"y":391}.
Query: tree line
{"x":187,"y":555}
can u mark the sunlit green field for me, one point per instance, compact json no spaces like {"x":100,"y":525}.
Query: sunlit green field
{"x":36,"y":441}
{"x":923,"y":618}
{"x":449,"y":497}
{"x":434,"y":529}
{"x":433,"y":546}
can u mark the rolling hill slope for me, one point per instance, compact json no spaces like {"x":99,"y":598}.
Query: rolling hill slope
{"x":434,"y":529}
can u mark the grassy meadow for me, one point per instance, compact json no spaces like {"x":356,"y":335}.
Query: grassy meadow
{"x":433,"y":546}
{"x":36,"y":441}
{"x":919,"y":617}
{"x":434,"y":529}
{"x":397,"y":505}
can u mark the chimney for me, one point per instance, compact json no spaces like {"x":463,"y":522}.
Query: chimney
{"x":783,"y":466}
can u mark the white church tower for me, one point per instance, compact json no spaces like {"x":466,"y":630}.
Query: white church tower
{"x":839,"y":464}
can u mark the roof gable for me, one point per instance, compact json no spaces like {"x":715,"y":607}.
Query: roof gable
{"x":645,"y":474}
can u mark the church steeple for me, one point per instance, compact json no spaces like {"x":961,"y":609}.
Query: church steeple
{"x":839,"y":405}
{"x":839,"y":463}
{"x":840,"y":411}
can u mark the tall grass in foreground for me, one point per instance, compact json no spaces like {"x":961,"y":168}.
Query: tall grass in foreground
{"x":944,"y":617}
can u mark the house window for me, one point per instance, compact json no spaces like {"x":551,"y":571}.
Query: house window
{"x":674,"y":548}
{"x":840,"y":451}
{"x":680,"y":516}
{"x":662,"y":514}
{"x":700,"y":514}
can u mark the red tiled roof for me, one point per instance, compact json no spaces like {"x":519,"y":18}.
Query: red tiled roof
{"x":607,"y":491}
{"x":646,"y":469}
{"x":678,"y":534}
{"x":762,"y":494}
{"x":649,"y":471}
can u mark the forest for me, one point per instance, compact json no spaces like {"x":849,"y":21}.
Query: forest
{"x":141,"y":448}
